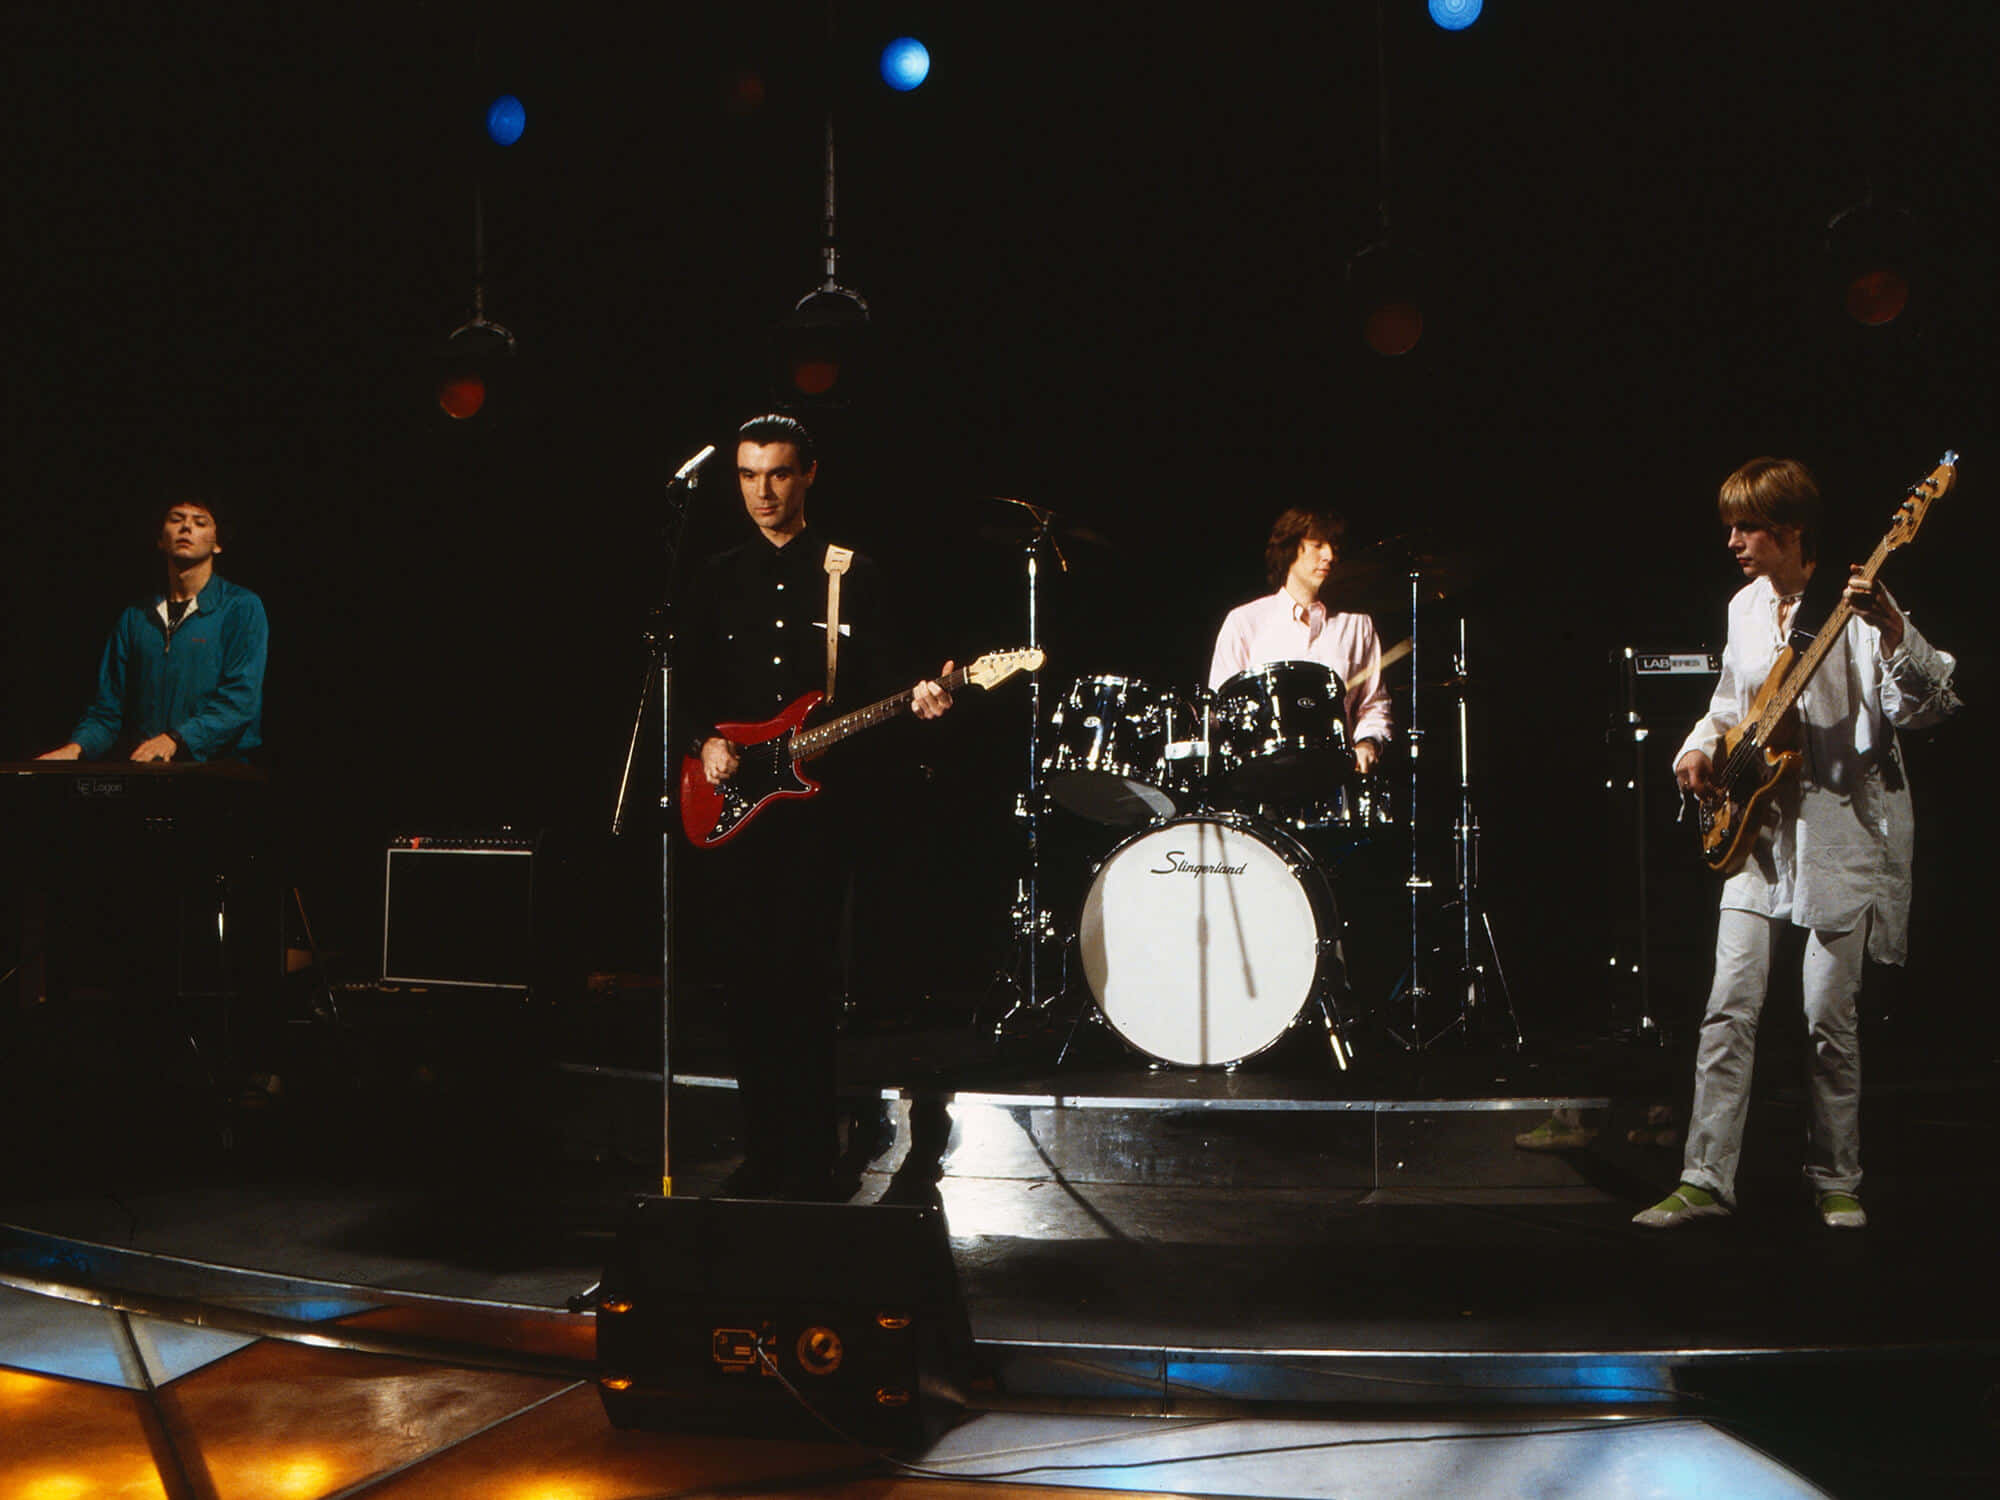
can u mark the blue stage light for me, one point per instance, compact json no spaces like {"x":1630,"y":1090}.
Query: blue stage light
{"x":505,"y":120}
{"x":1455,"y":15}
{"x":906,"y":63}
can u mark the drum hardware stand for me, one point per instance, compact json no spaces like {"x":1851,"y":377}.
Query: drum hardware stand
{"x":1410,"y":985}
{"x":1475,"y":924}
{"x":1030,"y":924}
{"x":1465,"y":835}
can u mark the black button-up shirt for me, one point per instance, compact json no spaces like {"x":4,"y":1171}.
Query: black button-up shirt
{"x":756,"y":638}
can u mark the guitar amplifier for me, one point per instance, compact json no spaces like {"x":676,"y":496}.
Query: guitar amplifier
{"x":459,"y":911}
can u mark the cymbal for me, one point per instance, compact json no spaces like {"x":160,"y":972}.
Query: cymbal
{"x":1047,"y":524}
{"x":1376,"y":580}
{"x":1020,"y":536}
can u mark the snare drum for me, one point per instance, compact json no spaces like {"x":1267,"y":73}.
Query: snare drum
{"x":1110,"y":759}
{"x":1203,"y":938}
{"x":1280,"y":731}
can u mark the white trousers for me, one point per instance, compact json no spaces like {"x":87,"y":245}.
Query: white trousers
{"x":1744,"y":945}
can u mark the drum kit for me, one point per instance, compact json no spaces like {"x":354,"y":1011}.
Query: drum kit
{"x":1212,"y":925}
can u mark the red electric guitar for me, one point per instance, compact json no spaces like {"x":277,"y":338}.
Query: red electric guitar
{"x":1756,"y":754}
{"x":771,"y":753}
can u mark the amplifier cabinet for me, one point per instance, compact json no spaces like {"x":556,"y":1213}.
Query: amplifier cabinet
{"x":459,"y":911}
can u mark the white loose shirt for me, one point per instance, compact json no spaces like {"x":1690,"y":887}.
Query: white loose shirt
{"x":1842,"y":844}
{"x":1279,"y":628}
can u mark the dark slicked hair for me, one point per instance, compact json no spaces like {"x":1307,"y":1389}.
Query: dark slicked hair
{"x":1773,"y":492}
{"x":208,"y":503}
{"x":1294,"y":526}
{"x":774,"y":427}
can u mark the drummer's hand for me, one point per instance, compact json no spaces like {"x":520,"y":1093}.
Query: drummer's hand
{"x":1365,"y":756}
{"x":718,"y":760}
{"x":928,"y":700}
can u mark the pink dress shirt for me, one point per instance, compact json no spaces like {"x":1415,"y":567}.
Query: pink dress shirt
{"x":1279,"y":628}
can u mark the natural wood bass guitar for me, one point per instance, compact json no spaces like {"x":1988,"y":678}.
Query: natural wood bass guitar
{"x":1758,"y":753}
{"x":769,"y":754}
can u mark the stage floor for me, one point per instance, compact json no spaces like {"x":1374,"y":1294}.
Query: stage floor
{"x":1259,"y":1246}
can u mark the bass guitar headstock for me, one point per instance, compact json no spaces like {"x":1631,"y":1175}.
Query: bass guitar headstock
{"x":995,"y":667}
{"x":1917,"y":504}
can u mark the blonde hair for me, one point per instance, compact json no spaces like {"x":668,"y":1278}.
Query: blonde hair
{"x":1773,"y":492}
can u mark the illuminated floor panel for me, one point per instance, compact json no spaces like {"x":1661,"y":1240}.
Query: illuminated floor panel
{"x":1665,"y":1459}
{"x":53,"y":1337}
{"x":69,"y":1441}
{"x":277,"y":1421}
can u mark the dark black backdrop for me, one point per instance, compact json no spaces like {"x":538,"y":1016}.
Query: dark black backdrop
{"x":1104,"y":250}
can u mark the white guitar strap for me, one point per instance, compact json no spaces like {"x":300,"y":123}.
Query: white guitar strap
{"x":837,"y":559}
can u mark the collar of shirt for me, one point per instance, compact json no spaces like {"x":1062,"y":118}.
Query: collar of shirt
{"x":1312,"y":616}
{"x":164,"y":610}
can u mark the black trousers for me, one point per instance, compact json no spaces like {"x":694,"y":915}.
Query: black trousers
{"x":770,"y":904}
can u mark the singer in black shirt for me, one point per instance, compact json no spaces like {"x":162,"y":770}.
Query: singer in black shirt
{"x":756,"y":642}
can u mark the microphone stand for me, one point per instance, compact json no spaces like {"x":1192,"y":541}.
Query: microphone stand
{"x":660,"y":644}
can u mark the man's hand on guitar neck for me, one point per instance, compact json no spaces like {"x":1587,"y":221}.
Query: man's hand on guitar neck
{"x":1868,"y":599}
{"x":928,"y":700}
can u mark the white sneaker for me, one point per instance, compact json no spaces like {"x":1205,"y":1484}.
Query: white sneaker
{"x":1678,"y":1208}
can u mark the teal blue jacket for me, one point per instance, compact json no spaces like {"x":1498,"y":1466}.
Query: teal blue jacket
{"x":204,"y":684}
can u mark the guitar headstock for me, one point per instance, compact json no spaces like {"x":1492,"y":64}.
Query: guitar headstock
{"x":1916,"y":505}
{"x":995,"y":667}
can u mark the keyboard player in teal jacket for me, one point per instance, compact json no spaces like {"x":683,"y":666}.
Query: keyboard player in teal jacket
{"x":182,"y":677}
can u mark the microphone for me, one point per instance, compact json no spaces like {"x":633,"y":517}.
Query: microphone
{"x":686,"y":470}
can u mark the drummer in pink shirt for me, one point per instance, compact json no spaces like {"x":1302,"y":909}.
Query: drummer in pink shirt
{"x":1295,"y":624}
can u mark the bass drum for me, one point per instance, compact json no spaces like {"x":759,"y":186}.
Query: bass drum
{"x":1204,"y":937}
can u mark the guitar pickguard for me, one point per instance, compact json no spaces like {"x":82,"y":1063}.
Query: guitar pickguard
{"x":765,"y":772}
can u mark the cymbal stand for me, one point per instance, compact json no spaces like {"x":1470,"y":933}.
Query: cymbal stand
{"x":1475,"y":926}
{"x":1410,"y":986}
{"x":1030,"y":922}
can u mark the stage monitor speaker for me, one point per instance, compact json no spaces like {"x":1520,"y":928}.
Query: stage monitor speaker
{"x":711,"y":1307}
{"x":459,"y":911}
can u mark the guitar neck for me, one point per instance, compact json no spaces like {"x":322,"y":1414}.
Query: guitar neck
{"x":1804,"y":668}
{"x":807,"y":743}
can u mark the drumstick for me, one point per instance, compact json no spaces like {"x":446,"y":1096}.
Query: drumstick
{"x":1389,"y":659}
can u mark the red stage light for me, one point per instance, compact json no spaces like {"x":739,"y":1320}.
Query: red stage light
{"x":1394,"y":328}
{"x":743,"y":93}
{"x":1876,"y":297}
{"x":461,"y":396}
{"x":814,"y":377}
